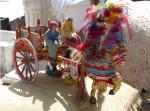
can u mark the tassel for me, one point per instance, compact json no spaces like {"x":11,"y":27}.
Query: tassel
{"x":83,"y":45}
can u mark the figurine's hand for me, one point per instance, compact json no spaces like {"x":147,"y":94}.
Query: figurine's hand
{"x":74,"y":34}
{"x":56,"y":42}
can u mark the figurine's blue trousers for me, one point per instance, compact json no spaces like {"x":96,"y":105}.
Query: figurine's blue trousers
{"x":52,"y":49}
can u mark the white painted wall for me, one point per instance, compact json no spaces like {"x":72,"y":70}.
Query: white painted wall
{"x":54,"y":10}
{"x":36,"y":9}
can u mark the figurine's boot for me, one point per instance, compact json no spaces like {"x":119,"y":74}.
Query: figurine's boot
{"x":57,"y":73}
{"x":54,"y":66}
{"x":47,"y":68}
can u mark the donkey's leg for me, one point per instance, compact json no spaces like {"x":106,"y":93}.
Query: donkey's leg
{"x":117,"y":83}
{"x":93,"y":91}
{"x":102,"y":87}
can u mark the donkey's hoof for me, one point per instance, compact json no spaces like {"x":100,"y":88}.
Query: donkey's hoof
{"x":93,"y":100}
{"x":111,"y":92}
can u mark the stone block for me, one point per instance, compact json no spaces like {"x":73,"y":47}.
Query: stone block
{"x":6,"y":47}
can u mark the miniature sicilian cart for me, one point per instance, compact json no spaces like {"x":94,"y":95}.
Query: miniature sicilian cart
{"x":93,"y":51}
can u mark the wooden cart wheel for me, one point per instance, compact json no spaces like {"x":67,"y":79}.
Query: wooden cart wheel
{"x":25,"y":60}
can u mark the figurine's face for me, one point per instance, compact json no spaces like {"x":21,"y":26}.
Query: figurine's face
{"x":70,"y":22}
{"x":53,"y":27}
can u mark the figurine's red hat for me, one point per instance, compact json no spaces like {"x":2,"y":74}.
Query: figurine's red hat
{"x":53,"y":23}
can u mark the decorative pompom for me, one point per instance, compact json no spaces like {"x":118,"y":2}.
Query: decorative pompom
{"x":106,"y":12}
{"x":118,"y":10}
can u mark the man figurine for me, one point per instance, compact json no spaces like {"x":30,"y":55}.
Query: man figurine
{"x":52,"y":42}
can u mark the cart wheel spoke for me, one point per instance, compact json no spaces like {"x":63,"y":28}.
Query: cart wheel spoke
{"x":26,"y":74}
{"x":20,"y":63}
{"x":30,"y":73}
{"x":23,"y":69}
{"x":27,"y":54}
{"x":19,"y":57}
{"x":22,"y":53}
{"x":31,"y":67}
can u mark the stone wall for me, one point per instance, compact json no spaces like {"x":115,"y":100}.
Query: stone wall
{"x":137,"y":69}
